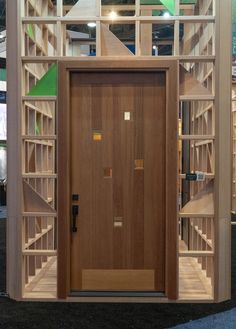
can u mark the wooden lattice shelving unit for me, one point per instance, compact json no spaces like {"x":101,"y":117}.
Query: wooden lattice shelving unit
{"x":38,"y":40}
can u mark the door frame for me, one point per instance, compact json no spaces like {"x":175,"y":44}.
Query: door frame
{"x":126,"y":64}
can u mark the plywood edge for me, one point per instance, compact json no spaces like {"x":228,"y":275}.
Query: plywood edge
{"x":111,"y":45}
{"x":189,"y":85}
{"x":202,"y":202}
{"x":33,"y":201}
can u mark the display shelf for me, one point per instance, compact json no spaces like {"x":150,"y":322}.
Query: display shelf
{"x":198,"y":43}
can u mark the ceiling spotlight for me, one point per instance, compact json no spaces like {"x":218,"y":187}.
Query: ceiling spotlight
{"x":91,"y":24}
{"x":166,"y":14}
{"x":113,"y":14}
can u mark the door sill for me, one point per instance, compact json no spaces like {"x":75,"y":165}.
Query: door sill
{"x":116,"y":294}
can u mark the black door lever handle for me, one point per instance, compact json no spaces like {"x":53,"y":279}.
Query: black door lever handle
{"x":75,"y":212}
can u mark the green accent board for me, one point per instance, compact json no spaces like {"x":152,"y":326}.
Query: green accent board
{"x":47,"y":85}
{"x":234,"y":10}
{"x":234,"y":39}
{"x":38,"y":125}
{"x":169,"y":4}
{"x":3,"y":75}
{"x":159,"y":2}
{"x":30,"y":31}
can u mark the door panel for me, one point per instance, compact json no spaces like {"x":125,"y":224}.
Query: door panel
{"x":118,"y":160}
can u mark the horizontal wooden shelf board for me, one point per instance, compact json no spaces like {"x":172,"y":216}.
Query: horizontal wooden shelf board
{"x":33,"y":214}
{"x":39,"y":98}
{"x":196,"y":137}
{"x":54,"y":59}
{"x":37,"y":252}
{"x":207,"y":175}
{"x":191,"y":253}
{"x":39,"y":137}
{"x":196,"y":215}
{"x":197,"y":98}
{"x":39,"y":175}
{"x":118,"y":20}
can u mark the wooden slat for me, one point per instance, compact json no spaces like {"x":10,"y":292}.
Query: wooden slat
{"x":39,"y":214}
{"x":119,"y":19}
{"x":196,"y":137}
{"x":223,"y":168}
{"x":37,"y":252}
{"x":181,"y":58}
{"x":196,"y":253}
{"x":197,"y":98}
{"x":195,"y":215}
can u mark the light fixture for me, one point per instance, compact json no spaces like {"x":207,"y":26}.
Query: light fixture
{"x":2,"y":36}
{"x":91,"y":24}
{"x":113,"y":14}
{"x":166,"y":14}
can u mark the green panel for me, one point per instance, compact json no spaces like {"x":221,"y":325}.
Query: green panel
{"x":159,"y":2}
{"x":30,"y":31}
{"x":47,"y":86}
{"x":3,"y":75}
{"x":234,"y":10}
{"x":170,"y":5}
{"x":234,"y":39}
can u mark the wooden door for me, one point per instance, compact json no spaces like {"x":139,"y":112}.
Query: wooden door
{"x":117,"y":164}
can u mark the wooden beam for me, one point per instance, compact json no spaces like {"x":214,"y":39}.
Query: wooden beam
{"x":192,"y":253}
{"x":36,"y":252}
{"x":14,"y":182}
{"x":223,"y":168}
{"x":146,"y":35}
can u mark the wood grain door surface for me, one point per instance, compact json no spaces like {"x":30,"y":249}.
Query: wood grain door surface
{"x":118,"y":156}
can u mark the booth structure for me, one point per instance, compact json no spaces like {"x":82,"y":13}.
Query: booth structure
{"x":119,"y":162}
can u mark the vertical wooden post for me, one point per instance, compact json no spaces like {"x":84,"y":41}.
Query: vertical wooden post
{"x":14,"y":182}
{"x":137,"y":28}
{"x":146,"y":35}
{"x":176,"y":33}
{"x":223,"y":151}
{"x":60,"y":31}
{"x":98,"y":28}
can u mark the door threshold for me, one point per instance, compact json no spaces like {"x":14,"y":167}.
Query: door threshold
{"x":116,"y":294}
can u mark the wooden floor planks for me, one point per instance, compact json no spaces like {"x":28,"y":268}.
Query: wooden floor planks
{"x":193,"y":284}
